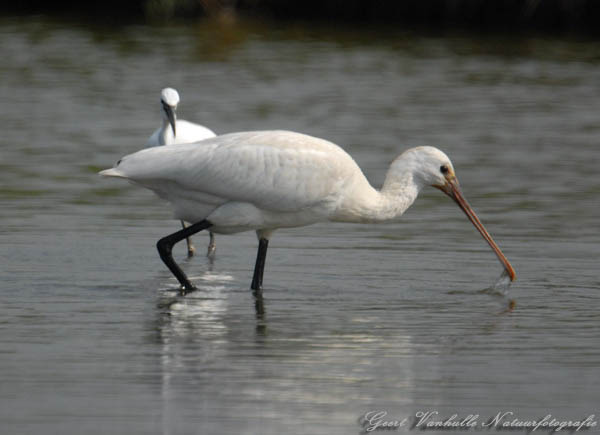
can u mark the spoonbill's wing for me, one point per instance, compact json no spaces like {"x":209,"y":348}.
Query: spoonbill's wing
{"x":273,"y":170}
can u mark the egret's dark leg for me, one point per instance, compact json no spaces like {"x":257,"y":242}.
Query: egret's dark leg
{"x":190,"y":245}
{"x":259,"y":268}
{"x":212,"y":247}
{"x":165,"y":248}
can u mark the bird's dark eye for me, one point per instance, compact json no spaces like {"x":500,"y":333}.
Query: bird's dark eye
{"x":444,"y":169}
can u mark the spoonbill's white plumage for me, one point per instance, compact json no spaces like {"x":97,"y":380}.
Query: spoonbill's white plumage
{"x":177,"y":131}
{"x":267,"y":180}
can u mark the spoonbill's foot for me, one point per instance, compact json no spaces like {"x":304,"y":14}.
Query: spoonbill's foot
{"x":187,"y":290}
{"x":259,"y":304}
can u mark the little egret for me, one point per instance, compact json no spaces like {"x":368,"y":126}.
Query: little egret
{"x":265,"y":180}
{"x":176,"y":131}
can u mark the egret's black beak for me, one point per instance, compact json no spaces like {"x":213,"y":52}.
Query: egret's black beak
{"x":452,"y":189}
{"x":170,"y":111}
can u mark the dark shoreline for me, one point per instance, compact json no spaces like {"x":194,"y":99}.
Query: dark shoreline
{"x":554,"y":17}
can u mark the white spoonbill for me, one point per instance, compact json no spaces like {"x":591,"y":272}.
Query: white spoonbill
{"x":265,"y":180}
{"x":174,"y":131}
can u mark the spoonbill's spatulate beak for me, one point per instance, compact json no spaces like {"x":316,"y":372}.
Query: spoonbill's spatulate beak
{"x":452,"y":189}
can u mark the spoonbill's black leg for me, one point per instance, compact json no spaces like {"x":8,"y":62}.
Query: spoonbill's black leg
{"x":259,"y":268}
{"x":165,"y":248}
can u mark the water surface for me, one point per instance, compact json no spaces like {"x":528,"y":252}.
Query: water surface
{"x":357,"y":318}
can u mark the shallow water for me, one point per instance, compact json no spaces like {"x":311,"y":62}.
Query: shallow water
{"x":356,"y":318}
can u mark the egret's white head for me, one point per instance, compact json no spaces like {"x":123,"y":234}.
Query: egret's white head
{"x":169,"y":99}
{"x":428,"y":166}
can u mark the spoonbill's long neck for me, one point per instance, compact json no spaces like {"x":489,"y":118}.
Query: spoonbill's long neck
{"x":367,"y":204}
{"x":397,"y":195}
